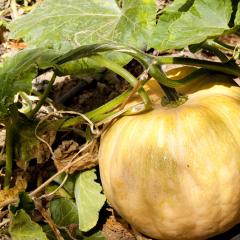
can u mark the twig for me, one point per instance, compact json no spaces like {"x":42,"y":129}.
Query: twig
{"x":7,"y":202}
{"x":60,"y":186}
{"x":4,"y":222}
{"x":3,"y":213}
{"x":37,"y":190}
{"x":45,"y":215}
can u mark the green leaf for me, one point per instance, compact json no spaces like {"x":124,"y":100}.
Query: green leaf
{"x":69,"y":183}
{"x":65,"y":24}
{"x":79,"y":235}
{"x":58,"y":192}
{"x":237,"y":18}
{"x":23,"y":228}
{"x":49,"y":232}
{"x":17,"y":73}
{"x":171,"y":13}
{"x":81,"y":68}
{"x":89,"y":199}
{"x":63,"y":212}
{"x":204,"y":19}
{"x":96,"y":236}
{"x":25,"y":202}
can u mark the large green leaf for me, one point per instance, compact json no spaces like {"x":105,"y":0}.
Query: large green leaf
{"x":237,"y":18}
{"x":23,"y":228}
{"x":65,"y":24}
{"x":171,"y":13}
{"x":89,"y":199}
{"x":64,"y":212}
{"x":178,"y":28}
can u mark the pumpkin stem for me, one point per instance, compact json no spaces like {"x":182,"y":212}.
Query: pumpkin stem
{"x":172,"y":98}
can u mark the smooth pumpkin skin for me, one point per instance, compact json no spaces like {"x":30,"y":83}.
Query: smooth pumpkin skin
{"x":174,"y":173}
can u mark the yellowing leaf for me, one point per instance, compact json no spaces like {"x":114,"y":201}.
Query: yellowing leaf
{"x":12,"y":193}
{"x":23,"y":228}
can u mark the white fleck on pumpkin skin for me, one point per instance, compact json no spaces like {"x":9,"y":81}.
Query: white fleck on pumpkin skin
{"x":174,"y":173}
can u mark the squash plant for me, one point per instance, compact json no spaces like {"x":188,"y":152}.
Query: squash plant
{"x":105,"y":34}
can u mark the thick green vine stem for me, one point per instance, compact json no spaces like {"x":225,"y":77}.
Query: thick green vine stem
{"x":228,"y":68}
{"x":222,"y":45}
{"x":211,"y":47}
{"x":104,"y":62}
{"x":146,"y":60}
{"x":99,"y":113}
{"x":43,"y":98}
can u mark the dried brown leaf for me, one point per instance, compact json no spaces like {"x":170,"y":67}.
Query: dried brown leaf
{"x":68,"y":151}
{"x":9,"y":195}
{"x":117,"y":230}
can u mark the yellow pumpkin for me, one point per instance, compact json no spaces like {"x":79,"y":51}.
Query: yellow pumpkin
{"x":174,"y":173}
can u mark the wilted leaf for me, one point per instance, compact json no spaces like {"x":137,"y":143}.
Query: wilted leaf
{"x":116,"y":228}
{"x":65,"y":24}
{"x":63,"y":212}
{"x":67,"y":151}
{"x":12,"y":193}
{"x":177,"y":28}
{"x":89,"y":199}
{"x":28,"y":146}
{"x":23,"y":228}
{"x":25,"y":202}
{"x":17,"y":73}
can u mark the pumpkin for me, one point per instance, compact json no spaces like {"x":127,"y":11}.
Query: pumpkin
{"x":174,"y":173}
